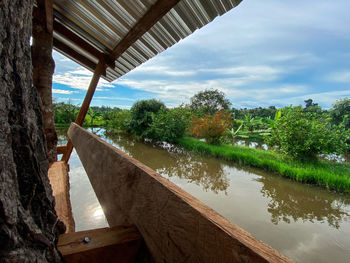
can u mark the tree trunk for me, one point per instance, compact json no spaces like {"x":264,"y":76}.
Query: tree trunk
{"x":43,"y":69}
{"x":28,"y":223}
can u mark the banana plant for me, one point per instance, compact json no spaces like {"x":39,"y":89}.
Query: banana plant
{"x":233,"y":134}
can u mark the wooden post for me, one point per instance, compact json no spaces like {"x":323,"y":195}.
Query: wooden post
{"x":100,"y":68}
{"x":43,"y":68}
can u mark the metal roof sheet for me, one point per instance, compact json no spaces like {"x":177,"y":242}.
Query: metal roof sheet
{"x":104,"y":23}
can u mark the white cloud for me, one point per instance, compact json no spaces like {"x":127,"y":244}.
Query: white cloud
{"x":162,"y":70}
{"x":322,"y":98}
{"x":236,"y":89}
{"x":342,"y":76}
{"x":61,"y":91}
{"x":113,"y":98}
{"x":79,"y":78}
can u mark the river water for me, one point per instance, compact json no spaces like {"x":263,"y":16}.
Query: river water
{"x":306,"y":223}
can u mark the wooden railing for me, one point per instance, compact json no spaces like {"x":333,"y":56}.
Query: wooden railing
{"x":176,"y":227}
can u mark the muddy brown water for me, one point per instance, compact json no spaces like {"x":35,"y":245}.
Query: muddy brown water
{"x":306,"y":223}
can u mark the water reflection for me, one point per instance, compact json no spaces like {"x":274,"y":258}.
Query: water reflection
{"x":287,"y":200}
{"x":174,"y":162}
{"x":290,"y":201}
{"x":307,"y":223}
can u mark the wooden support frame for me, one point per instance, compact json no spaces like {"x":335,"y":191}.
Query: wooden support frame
{"x":61,"y":149}
{"x":176,"y":227}
{"x":117,"y":244}
{"x":71,"y":53}
{"x":78,"y":41}
{"x":100,"y":68}
{"x":153,"y":15}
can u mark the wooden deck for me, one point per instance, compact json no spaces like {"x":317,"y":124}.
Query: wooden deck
{"x":58,"y":176}
{"x":176,"y":227}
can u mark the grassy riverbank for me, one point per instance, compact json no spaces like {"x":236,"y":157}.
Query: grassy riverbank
{"x":334,"y":176}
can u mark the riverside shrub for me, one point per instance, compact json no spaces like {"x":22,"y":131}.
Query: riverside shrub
{"x":168,"y":124}
{"x":120,"y":120}
{"x":304,"y":135}
{"x":211,"y":127}
{"x":142,"y":116}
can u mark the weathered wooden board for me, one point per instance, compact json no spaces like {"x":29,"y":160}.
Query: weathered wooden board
{"x":61,"y":149}
{"x":175,"y":226}
{"x":117,"y":244}
{"x":58,"y":176}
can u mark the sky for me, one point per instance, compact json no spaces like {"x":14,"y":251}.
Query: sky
{"x":261,"y":53}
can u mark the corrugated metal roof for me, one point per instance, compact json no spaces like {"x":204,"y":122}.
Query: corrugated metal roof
{"x":103,"y":23}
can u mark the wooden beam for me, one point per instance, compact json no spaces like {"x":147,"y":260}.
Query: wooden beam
{"x":81,"y":43}
{"x":176,"y":227}
{"x":49,"y":15}
{"x":58,"y":176}
{"x":43,"y":69}
{"x":44,"y":12}
{"x":100,"y":68}
{"x":61,"y":149}
{"x":152,"y":16}
{"x":117,"y":244}
{"x":69,"y":52}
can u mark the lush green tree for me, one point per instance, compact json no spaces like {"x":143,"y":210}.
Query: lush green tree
{"x":304,"y":135}
{"x":340,"y":112}
{"x":65,"y":113}
{"x":142,"y":115}
{"x":312,"y":107}
{"x":93,"y":114}
{"x":255,"y":112}
{"x":169,"y":124}
{"x":120,"y":119}
{"x":209,"y":102}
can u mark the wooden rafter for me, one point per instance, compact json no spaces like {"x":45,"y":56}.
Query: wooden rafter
{"x":153,"y":15}
{"x":81,"y":43}
{"x":68,"y":51}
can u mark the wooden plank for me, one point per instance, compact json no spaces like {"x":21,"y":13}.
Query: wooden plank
{"x":100,"y":68}
{"x":176,"y":227}
{"x":116,"y":244}
{"x":58,"y":176}
{"x":152,"y":16}
{"x":61,"y":149}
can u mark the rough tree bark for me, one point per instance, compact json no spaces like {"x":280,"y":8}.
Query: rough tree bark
{"x":28,"y":223}
{"x":43,"y":69}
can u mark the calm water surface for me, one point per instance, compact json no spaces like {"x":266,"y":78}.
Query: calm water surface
{"x":304,"y":222}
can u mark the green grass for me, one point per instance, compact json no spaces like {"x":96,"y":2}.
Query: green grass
{"x":330,"y":175}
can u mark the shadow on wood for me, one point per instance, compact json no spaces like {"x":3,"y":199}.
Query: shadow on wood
{"x":118,"y":244}
{"x":176,"y":227}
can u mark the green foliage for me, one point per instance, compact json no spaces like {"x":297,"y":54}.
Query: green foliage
{"x":142,"y":116}
{"x":255,"y":112}
{"x":233,"y":134}
{"x":168,"y":125}
{"x":335,"y":176}
{"x":209,"y":102}
{"x":119,"y":119}
{"x":93,"y":114}
{"x":312,"y":107}
{"x":211,"y":127}
{"x":65,"y":113}
{"x":340,"y":113}
{"x":304,"y":135}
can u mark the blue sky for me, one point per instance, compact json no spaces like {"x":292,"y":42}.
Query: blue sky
{"x":261,"y":53}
